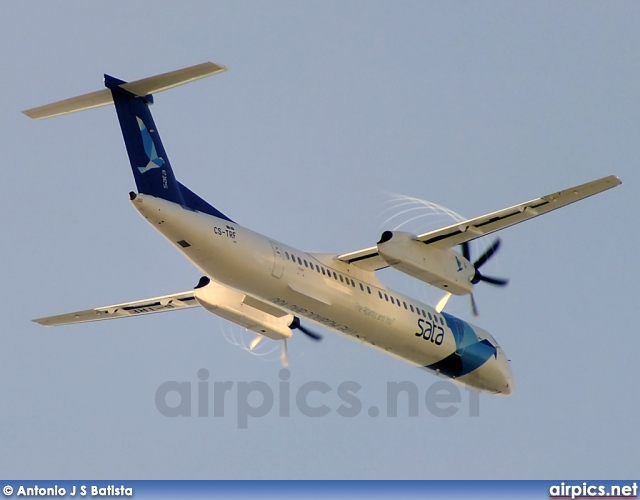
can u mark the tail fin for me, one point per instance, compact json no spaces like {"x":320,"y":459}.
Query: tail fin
{"x":149,"y":162}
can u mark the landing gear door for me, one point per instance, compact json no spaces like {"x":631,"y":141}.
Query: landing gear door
{"x":278,"y":260}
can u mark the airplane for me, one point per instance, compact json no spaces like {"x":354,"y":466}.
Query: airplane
{"x":267,"y":286}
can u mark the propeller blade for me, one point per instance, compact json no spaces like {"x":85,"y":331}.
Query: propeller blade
{"x":443,"y":302}
{"x":295,"y":325}
{"x":311,"y":334}
{"x":487,"y":254}
{"x":474,"y":307}
{"x":494,"y":281}
{"x":465,"y":250}
{"x":478,"y":276}
{"x":255,"y":342}
{"x":284,"y":357}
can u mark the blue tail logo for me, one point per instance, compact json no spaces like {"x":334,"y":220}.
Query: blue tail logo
{"x":155,"y":161}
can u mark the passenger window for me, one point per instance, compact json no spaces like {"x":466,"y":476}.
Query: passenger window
{"x":317,"y":268}
{"x":411,"y":306}
{"x":299,"y":261}
{"x":404,"y":304}
{"x":423,"y":314}
{"x":341,"y":280}
{"x":380,"y":293}
{"x":353,"y":283}
{"x":391,"y":299}
{"x":368,"y":289}
{"x":429,"y":314}
{"x":361,"y":287}
{"x":335,"y":276}
{"x":386,"y":297}
{"x":287,"y":254}
{"x":323,"y":273}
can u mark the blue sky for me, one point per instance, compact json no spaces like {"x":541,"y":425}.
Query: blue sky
{"x":327,"y":108}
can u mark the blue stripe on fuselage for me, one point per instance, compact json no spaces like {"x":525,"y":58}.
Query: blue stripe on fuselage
{"x":470,"y":353}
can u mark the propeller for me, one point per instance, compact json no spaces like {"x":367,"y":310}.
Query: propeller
{"x":443,"y":302}
{"x":255,"y":342}
{"x":284,"y":357}
{"x":481,"y":261}
{"x":295,"y":325}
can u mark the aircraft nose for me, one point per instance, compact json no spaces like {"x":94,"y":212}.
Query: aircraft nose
{"x":504,"y":379}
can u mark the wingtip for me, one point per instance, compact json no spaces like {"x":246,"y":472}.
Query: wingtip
{"x":221,"y":66}
{"x":29,"y":114}
{"x":612,"y":179}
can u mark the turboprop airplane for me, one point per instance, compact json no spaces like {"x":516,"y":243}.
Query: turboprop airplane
{"x":267,"y":286}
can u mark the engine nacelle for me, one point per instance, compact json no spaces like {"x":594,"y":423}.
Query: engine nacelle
{"x":441,"y":267}
{"x":250,"y":313}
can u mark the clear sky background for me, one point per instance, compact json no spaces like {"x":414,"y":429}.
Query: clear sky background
{"x":327,"y":107}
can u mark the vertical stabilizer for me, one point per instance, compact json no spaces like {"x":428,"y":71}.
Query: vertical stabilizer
{"x":149,"y":162}
{"x":151,"y":167}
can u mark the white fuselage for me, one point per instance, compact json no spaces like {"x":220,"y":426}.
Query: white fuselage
{"x":318,"y":287}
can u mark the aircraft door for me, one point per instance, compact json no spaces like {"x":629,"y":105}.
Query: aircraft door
{"x":278,"y":260}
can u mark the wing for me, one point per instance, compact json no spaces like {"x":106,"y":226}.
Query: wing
{"x":165,"y":303}
{"x":471,"y":229}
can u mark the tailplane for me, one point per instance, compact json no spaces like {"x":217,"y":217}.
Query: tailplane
{"x":149,"y":162}
{"x":141,"y":88}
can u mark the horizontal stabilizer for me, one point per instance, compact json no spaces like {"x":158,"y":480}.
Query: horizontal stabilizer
{"x":165,"y":303}
{"x":142,"y":88}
